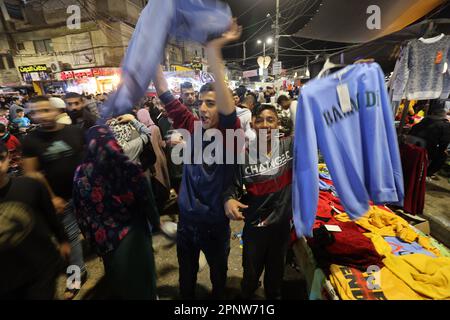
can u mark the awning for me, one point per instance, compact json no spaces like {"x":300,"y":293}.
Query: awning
{"x":346,"y":21}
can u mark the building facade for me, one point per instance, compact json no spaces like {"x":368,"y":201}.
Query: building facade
{"x":80,"y":43}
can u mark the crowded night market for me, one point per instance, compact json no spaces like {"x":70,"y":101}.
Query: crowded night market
{"x":236,"y":151}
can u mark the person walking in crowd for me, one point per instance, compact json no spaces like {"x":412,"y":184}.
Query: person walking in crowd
{"x":28,"y":222}
{"x":161,"y":178}
{"x":134,"y":138}
{"x":79,"y":114}
{"x":188,"y":97}
{"x":268,"y":94}
{"x":55,"y":150}
{"x":63,"y":117}
{"x":245,"y":117}
{"x":123,"y":128}
{"x":22,"y":122}
{"x":284,"y":115}
{"x":111,"y":203}
{"x":11,"y":142}
{"x":236,"y":99}
{"x":4,"y":115}
{"x":249,"y":102}
{"x":92,"y":105}
{"x":266,"y":207}
{"x":203,"y":225}
{"x":15,"y":104}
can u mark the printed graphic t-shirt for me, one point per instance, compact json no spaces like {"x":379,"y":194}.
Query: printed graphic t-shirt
{"x":59,"y":154}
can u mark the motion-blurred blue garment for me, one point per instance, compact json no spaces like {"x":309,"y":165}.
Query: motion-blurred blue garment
{"x":194,"y":20}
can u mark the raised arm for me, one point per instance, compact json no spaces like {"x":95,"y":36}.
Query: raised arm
{"x":225,"y":103}
{"x":178,"y":112}
{"x":160,"y":81}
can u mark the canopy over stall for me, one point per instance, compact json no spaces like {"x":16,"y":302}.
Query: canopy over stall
{"x":353,"y":22}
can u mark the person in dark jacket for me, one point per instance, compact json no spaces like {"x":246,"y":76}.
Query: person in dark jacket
{"x":266,"y":207}
{"x":79,"y":112}
{"x":434,"y":129}
{"x":30,"y":262}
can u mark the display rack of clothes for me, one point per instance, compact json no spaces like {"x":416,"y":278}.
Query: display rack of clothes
{"x":377,"y":257}
{"x":347,"y":115}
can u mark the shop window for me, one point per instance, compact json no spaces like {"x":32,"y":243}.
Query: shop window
{"x":43,"y":46}
{"x":10,"y":61}
{"x":20,"y":46}
{"x":48,"y":45}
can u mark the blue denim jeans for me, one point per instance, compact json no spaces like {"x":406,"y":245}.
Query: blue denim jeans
{"x":73,"y":232}
{"x":214,"y":241}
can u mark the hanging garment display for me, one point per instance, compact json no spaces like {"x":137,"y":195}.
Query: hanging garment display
{"x":196,"y":20}
{"x":349,"y":117}
{"x":414,"y":164}
{"x":422,"y":71}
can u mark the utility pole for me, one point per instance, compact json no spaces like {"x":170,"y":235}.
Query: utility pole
{"x":277,"y":29}
{"x":245,"y":52}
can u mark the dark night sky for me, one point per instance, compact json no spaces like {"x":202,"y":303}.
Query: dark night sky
{"x":252,"y":16}
{"x":294,"y":15}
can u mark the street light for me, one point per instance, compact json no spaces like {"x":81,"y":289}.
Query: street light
{"x":269,"y":41}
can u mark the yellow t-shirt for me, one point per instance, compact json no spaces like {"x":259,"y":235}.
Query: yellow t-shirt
{"x":429,"y":277}
{"x":388,"y":224}
{"x":353,"y":284}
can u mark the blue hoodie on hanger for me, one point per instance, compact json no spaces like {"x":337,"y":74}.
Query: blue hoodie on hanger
{"x":359,"y":146}
{"x":192,"y":20}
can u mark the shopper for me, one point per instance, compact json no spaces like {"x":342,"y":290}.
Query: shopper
{"x":284,"y":115}
{"x":123,"y":128}
{"x":161,"y":179}
{"x":11,"y":142}
{"x":80,"y":115}
{"x":15,"y":104}
{"x":266,"y":207}
{"x":63,"y":117}
{"x":56,"y":150}
{"x":30,"y":260}
{"x":22,"y":122}
{"x":203,"y":225}
{"x":111,"y":201}
{"x":188,"y":97}
{"x":4,"y":115}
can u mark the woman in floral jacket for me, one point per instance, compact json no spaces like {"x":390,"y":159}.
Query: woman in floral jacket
{"x":112,"y":200}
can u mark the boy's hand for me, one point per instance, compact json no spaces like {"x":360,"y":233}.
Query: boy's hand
{"x":59,"y":204}
{"x":232,"y":209}
{"x":233,"y":34}
{"x":64,"y":250}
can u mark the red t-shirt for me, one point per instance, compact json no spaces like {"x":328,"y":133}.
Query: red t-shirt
{"x":12,"y":143}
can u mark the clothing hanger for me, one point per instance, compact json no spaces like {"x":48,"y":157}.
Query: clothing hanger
{"x":431,"y":31}
{"x":328,"y":66}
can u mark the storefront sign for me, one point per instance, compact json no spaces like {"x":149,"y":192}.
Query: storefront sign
{"x":197,"y":66}
{"x":34,"y":73}
{"x":88,"y":73}
{"x":33,"y":68}
{"x":250,"y":73}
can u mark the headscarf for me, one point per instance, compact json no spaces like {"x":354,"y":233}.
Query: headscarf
{"x":161,"y":169}
{"x":122,"y":131}
{"x":144,"y":117}
{"x":108,"y":191}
